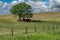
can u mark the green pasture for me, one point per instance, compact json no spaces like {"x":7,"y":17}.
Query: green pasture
{"x":50,"y":23}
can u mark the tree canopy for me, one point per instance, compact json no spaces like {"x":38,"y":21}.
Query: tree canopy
{"x":23,"y":10}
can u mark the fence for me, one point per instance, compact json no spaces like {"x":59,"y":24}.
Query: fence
{"x":36,"y":29}
{"x":26,"y":30}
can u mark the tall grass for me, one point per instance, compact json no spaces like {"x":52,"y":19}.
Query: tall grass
{"x":19,"y":29}
{"x":32,"y":36}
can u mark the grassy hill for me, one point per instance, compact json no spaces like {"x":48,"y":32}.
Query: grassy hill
{"x":49,"y":20}
{"x":45,"y":16}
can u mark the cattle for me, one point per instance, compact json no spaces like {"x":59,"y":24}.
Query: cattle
{"x":27,"y":20}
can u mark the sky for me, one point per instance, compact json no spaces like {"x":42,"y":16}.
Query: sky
{"x":37,"y":5}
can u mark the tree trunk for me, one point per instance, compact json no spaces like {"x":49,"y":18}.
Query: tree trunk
{"x":19,"y":18}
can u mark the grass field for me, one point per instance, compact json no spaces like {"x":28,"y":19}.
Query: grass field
{"x":32,"y":36}
{"x":7,"y":22}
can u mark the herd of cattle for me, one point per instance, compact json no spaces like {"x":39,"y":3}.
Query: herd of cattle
{"x":29,"y":20}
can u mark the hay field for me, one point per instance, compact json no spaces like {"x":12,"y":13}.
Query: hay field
{"x":44,"y":16}
{"x":48,"y":20}
{"x":47,"y":16}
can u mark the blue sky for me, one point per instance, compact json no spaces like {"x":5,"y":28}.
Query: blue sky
{"x":13,"y":0}
{"x":39,"y":6}
{"x":6,"y":1}
{"x":9,"y":0}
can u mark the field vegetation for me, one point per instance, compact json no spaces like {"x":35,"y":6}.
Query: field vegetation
{"x":48,"y":19}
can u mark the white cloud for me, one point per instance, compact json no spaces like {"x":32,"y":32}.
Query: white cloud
{"x":35,"y":0}
{"x":54,"y":5}
{"x":5,"y":5}
{"x":38,"y":6}
{"x":1,"y":4}
{"x":13,"y":3}
{"x":21,"y":0}
{"x":57,"y":1}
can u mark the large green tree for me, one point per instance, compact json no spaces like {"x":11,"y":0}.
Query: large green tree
{"x":23,"y":10}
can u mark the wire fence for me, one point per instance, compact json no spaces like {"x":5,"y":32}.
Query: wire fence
{"x":27,"y":30}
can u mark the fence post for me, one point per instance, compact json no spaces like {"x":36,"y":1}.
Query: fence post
{"x":12,"y":31}
{"x":57,"y":27}
{"x":48,"y":28}
{"x":12,"y":34}
{"x":35,"y":29}
{"x":53,"y":27}
{"x":43,"y":28}
{"x":26,"y":30}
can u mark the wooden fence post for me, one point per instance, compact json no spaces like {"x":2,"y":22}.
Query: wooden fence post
{"x":35,"y":29}
{"x":53,"y":27}
{"x":12,"y":32}
{"x":26,"y":30}
{"x":48,"y":28}
{"x":43,"y":28}
{"x":57,"y":27}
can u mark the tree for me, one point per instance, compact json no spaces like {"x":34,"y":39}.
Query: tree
{"x":23,"y":10}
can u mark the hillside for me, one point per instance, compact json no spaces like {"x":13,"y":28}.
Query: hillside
{"x":44,"y":30}
{"x":45,"y":16}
